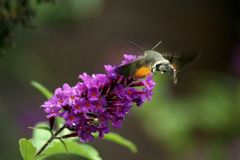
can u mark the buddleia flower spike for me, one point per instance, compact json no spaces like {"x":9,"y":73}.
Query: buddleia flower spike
{"x":98,"y":101}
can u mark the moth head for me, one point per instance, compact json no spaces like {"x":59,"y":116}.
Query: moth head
{"x":165,"y":67}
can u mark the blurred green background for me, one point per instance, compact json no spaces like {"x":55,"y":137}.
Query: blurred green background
{"x":196,"y":119}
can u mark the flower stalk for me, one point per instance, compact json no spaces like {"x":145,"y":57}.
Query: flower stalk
{"x":53,"y":136}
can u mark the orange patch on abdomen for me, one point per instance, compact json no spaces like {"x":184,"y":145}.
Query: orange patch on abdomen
{"x":142,"y":72}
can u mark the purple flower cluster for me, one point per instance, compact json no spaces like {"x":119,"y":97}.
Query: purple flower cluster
{"x":98,"y":101}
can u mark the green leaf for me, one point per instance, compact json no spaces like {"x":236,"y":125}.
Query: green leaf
{"x":42,"y":89}
{"x":45,"y":128}
{"x":27,"y":149}
{"x":56,"y":147}
{"x":40,"y":136}
{"x":83,"y":150}
{"x":59,"y":121}
{"x":116,"y":138}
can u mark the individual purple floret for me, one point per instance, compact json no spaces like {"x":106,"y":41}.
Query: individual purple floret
{"x":98,"y":101}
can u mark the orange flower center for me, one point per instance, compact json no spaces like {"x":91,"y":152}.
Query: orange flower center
{"x":71,"y":118}
{"x":77,"y":106}
{"x":88,"y":104}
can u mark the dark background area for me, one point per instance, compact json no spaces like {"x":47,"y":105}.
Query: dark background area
{"x":75,"y":36}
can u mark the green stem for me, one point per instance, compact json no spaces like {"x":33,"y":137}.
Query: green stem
{"x":50,"y":140}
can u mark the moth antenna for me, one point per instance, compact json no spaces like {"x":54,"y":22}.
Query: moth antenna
{"x":137,"y":46}
{"x":156,"y":45}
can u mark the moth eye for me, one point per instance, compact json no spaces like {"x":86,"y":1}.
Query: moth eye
{"x":158,"y":67}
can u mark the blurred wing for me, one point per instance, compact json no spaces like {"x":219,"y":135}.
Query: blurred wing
{"x":180,"y":61}
{"x":130,"y":68}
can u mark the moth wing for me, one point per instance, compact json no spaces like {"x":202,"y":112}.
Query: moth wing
{"x":181,"y":61}
{"x":130,"y":68}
